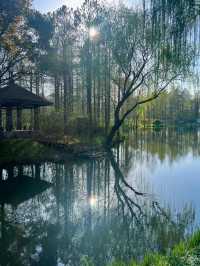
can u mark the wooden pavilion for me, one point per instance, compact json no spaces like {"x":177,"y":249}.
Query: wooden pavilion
{"x":14,"y":97}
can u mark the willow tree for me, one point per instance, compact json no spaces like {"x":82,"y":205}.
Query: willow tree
{"x":147,"y":55}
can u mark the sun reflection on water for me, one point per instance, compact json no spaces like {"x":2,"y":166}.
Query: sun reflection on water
{"x":93,"y":201}
{"x":93,"y":33}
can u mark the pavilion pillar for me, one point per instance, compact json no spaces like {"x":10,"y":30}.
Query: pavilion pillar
{"x":36,"y":118}
{"x":10,"y":171}
{"x":19,"y":119}
{"x":20,"y":170}
{"x":37,"y":171}
{"x":9,"y":119}
{"x":1,"y":173}
{"x":1,"y":120}
{"x":31,"y":119}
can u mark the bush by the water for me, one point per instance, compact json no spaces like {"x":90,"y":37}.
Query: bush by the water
{"x":184,"y":254}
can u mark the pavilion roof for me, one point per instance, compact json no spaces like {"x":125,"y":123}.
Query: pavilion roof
{"x":14,"y":95}
{"x":21,"y":188}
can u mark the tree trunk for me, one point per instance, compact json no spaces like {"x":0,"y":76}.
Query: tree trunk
{"x":31,"y":89}
{"x":98,"y":88}
{"x":89,"y":195}
{"x":117,"y":123}
{"x":110,"y":137}
{"x":65,"y":88}
{"x":37,"y":81}
{"x":56,"y":93}
{"x":89,"y":82}
{"x":65,"y":102}
{"x":71,"y":82}
{"x":95,"y":103}
{"x":114,"y":129}
{"x":37,"y":172}
{"x":107,"y":92}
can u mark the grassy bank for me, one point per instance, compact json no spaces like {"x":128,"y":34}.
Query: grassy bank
{"x":184,"y":254}
{"x":27,"y":151}
{"x":17,"y":151}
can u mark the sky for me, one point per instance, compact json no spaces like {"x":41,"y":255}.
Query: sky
{"x":45,"y":6}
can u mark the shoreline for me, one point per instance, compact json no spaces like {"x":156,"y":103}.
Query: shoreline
{"x":20,"y":151}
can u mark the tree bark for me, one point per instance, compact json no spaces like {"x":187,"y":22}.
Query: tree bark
{"x":56,"y":93}
{"x":89,"y":82}
{"x":65,"y":102}
{"x":114,"y":130}
{"x":37,"y":81}
{"x":65,"y":88}
{"x":107,"y":92}
{"x":98,"y":88}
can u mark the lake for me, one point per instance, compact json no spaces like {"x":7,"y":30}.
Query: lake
{"x":143,"y":196}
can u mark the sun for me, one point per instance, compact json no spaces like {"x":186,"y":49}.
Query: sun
{"x":93,"y":33}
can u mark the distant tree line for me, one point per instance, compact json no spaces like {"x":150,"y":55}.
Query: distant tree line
{"x":175,"y":107}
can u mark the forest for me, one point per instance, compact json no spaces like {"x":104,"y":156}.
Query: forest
{"x":99,"y":70}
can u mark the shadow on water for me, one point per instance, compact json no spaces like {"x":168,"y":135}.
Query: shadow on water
{"x":92,"y":212}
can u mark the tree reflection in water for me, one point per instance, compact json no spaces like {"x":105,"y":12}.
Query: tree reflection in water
{"x":92,"y":212}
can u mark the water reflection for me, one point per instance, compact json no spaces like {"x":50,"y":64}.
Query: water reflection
{"x":16,"y":188}
{"x":97,"y":210}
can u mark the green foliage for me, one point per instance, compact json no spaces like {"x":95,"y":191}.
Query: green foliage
{"x":194,"y":241}
{"x":155,"y":260}
{"x":119,"y":264}
{"x":86,"y":261}
{"x":22,"y":151}
{"x":157,"y":123}
{"x":77,"y":128}
{"x":174,"y":107}
{"x":43,"y":26}
{"x":9,"y":11}
{"x":184,"y":254}
{"x":52,"y":124}
{"x":179,"y":250}
{"x":50,"y":63}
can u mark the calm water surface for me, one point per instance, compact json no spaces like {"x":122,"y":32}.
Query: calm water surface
{"x":144,"y":196}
